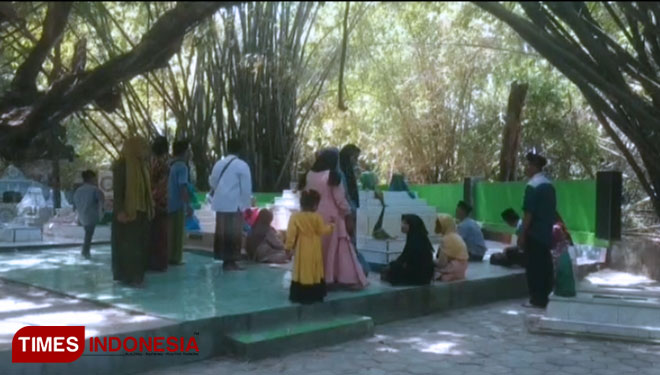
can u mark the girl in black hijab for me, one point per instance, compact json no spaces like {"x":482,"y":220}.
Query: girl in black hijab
{"x":415,"y":264}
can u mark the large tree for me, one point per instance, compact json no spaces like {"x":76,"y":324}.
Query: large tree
{"x":28,"y":113}
{"x":611,"y":52}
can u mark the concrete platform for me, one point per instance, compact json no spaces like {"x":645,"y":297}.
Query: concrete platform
{"x":47,"y":242}
{"x":609,"y":304}
{"x":199,"y":300}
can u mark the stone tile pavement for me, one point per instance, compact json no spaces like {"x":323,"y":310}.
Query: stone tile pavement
{"x":487,"y":340}
{"x":22,"y":305}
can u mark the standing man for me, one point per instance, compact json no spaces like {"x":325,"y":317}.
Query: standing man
{"x":178,"y":201}
{"x":88,"y":201}
{"x":540,"y":207}
{"x":471,"y":232}
{"x":231,"y":188}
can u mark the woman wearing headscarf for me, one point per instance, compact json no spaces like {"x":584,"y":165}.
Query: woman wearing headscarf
{"x":133,"y":209}
{"x":160,"y":170}
{"x":342,"y":267}
{"x":347,"y":161}
{"x":263,"y":244}
{"x":561,"y":240}
{"x":453,"y":256}
{"x":415,"y":264}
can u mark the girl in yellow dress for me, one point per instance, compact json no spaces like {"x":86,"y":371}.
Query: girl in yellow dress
{"x":304,"y":238}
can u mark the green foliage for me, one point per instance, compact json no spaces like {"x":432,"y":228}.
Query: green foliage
{"x":427,"y":87}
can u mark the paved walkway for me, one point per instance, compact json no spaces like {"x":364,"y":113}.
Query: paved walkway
{"x":488,"y":340}
{"x":22,"y":305}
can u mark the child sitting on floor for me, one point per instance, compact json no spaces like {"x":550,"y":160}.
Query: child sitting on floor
{"x":304,"y":238}
{"x":452,"y":259}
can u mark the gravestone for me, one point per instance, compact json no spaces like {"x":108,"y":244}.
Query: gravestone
{"x":375,"y":251}
{"x":397,"y":203}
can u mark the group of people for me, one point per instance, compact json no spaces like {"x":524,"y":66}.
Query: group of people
{"x":151,"y":199}
{"x":417,"y":265}
{"x":542,"y":239}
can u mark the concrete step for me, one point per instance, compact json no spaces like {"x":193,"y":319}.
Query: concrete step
{"x":607,"y":308}
{"x":545,"y":325}
{"x":297,"y":336}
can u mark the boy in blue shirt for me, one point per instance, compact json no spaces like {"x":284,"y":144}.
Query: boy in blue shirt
{"x":88,"y":202}
{"x":471,"y":232}
{"x":178,"y":201}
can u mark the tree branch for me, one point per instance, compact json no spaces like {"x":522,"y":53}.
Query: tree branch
{"x":25,"y":80}
{"x":70,"y":95}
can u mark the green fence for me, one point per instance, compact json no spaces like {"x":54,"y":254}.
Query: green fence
{"x":442,"y":196}
{"x":493,"y":198}
{"x":576,"y":203}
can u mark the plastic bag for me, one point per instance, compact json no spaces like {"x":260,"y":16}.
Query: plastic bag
{"x":565,"y":283}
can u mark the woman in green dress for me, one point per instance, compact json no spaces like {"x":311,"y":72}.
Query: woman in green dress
{"x":133,"y":209}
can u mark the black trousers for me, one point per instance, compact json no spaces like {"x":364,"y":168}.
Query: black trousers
{"x":228,"y":235}
{"x":539,"y":272}
{"x":87,"y":244}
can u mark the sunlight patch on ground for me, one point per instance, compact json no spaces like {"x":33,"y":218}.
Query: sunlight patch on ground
{"x":411,"y":340}
{"x":140,"y":318}
{"x":440,"y":347}
{"x":616,"y":278}
{"x":10,"y":328}
{"x":10,"y":304}
{"x":65,"y":318}
{"x":91,"y":333}
{"x":451,"y":334}
{"x":511,"y":312}
{"x":386,"y":349}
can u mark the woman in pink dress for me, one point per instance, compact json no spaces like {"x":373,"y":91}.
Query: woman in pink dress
{"x":340,"y":262}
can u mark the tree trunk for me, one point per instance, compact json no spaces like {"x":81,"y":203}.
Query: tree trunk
{"x":512,"y":131}
{"x":342,"y":62}
{"x":55,"y":157}
{"x":608,"y":71}
{"x":202,"y":166}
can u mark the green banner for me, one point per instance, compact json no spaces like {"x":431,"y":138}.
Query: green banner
{"x":576,"y":203}
{"x":443,"y":197}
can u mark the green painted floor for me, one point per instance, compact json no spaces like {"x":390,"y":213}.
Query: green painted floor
{"x":197,"y":290}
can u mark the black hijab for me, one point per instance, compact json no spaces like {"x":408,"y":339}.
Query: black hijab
{"x":328,"y":160}
{"x":418,"y":252}
{"x":348,"y":168}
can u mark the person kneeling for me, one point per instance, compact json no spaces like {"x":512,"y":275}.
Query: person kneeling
{"x":415,"y":264}
{"x":263,"y":244}
{"x":452,"y":259}
{"x":512,"y":255}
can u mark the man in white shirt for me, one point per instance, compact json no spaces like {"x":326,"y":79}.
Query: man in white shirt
{"x":231,"y":188}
